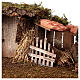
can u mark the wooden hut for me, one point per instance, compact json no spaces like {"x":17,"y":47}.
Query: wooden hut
{"x":21,"y":25}
{"x":16,"y":20}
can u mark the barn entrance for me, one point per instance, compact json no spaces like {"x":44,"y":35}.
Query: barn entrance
{"x":9,"y":28}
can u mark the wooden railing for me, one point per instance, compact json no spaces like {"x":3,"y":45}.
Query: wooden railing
{"x":42,"y":53}
{"x":58,"y":39}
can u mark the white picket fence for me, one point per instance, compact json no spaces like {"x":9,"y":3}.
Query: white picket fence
{"x":41,"y":52}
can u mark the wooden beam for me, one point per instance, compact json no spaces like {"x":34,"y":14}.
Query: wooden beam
{"x":42,"y":57}
{"x":43,"y":51}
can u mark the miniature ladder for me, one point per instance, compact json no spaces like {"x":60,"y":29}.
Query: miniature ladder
{"x":41,"y":53}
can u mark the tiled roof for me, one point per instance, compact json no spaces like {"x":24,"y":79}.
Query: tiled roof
{"x":53,"y":25}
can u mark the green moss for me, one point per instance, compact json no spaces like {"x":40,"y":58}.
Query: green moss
{"x":63,"y":20}
{"x":39,"y":10}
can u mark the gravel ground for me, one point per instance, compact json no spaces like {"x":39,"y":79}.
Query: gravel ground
{"x":21,"y":70}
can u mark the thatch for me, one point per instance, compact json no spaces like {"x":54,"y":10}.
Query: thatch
{"x":11,"y":9}
{"x":31,"y":10}
{"x":63,"y":20}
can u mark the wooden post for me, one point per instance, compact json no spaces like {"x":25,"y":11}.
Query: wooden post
{"x":62,"y":39}
{"x":37,"y":38}
{"x":74,"y":39}
{"x":48,"y":46}
{"x":51,"y":64}
{"x":53,"y":37}
{"x":45,"y":33}
{"x":44,"y":49}
{"x":40,"y":52}
{"x":47,"y":63}
{"x":45,"y":43}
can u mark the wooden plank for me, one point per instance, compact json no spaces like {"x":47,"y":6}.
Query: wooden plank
{"x":40,"y":52}
{"x":62,"y":39}
{"x":45,"y":43}
{"x":53,"y":37}
{"x":51,"y":64}
{"x":52,"y":51}
{"x":49,"y":47}
{"x":45,"y":33}
{"x":43,"y":51}
{"x":42,"y":57}
{"x":47,"y":63}
{"x":74,"y":39}
{"x":40,"y":43}
{"x":37,"y":38}
{"x":68,"y":40}
{"x":33,"y":43}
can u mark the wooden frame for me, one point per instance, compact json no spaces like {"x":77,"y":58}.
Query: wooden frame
{"x":42,"y":56}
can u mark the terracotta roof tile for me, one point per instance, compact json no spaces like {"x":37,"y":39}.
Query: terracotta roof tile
{"x":47,"y":24}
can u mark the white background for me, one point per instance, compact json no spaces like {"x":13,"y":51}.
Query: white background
{"x":71,"y":8}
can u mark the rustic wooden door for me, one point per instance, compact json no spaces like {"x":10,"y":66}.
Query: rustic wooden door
{"x":9,"y":28}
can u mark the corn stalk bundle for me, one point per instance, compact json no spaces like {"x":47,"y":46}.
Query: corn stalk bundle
{"x":63,"y":57}
{"x":23,"y":47}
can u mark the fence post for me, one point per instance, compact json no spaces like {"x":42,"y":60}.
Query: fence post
{"x":45,"y":33}
{"x":62,"y":39}
{"x":53,"y":37}
{"x":32,"y":52}
{"x":47,"y":58}
{"x":44,"y":49}
{"x":40,"y":52}
{"x":47,"y":63}
{"x":48,"y":46}
{"x":51,"y":64}
{"x":37,"y":38}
